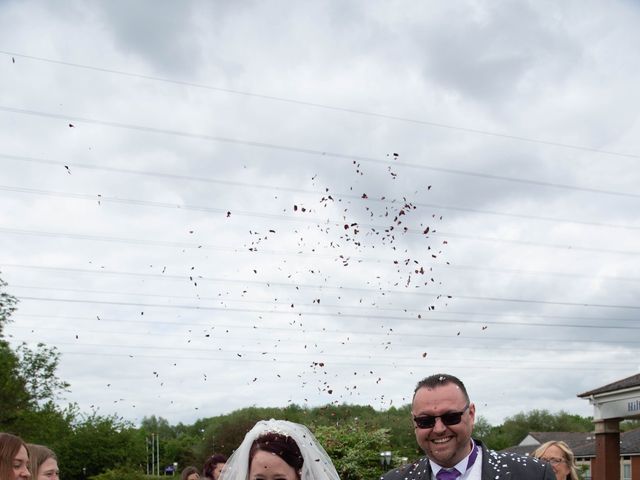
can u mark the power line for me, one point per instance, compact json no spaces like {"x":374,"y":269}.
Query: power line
{"x":351,"y":315}
{"x":306,"y":151}
{"x":332,"y":340}
{"x":362,"y":289}
{"x":445,"y":235}
{"x":328,"y":107}
{"x":497,"y":366}
{"x":228,"y":301}
{"x":313,"y":355}
{"x":102,"y":198}
{"x":445,"y":267}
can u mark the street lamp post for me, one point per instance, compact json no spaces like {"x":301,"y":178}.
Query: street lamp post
{"x":385,"y":459}
{"x":175,"y":467}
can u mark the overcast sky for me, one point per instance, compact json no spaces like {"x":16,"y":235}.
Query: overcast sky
{"x":212,"y":205}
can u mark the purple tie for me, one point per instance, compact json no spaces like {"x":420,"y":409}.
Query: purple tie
{"x":453,"y":474}
{"x":447,"y":474}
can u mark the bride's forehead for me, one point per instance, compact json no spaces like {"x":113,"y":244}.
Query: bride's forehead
{"x":263,"y":460}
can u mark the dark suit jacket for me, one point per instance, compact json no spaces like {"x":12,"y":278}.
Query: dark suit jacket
{"x":495,"y":466}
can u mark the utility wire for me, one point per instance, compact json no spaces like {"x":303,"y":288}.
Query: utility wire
{"x":325,"y":306}
{"x":510,"y":271}
{"x":444,"y":235}
{"x":306,"y":151}
{"x":418,"y":337}
{"x":387,"y":334}
{"x":102,"y":198}
{"x":245,"y":282}
{"x":313,"y":355}
{"x":218,"y":358}
{"x":351,"y":315}
{"x":327,"y":107}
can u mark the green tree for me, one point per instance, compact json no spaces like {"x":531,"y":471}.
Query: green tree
{"x":627,"y":425}
{"x":99,"y":443}
{"x":354,"y":449}
{"x":47,"y":425}
{"x":179,"y":443}
{"x":399,"y":423}
{"x":515,"y":428}
{"x":14,"y":397}
{"x":7,"y":306}
{"x":482,"y":428}
{"x":124,"y":473}
{"x":38,"y":367}
{"x":28,"y":383}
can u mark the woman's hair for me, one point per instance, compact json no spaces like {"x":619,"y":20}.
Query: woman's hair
{"x":188,"y":471}
{"x":9,"y":448}
{"x":566,"y":451}
{"x":38,"y":454}
{"x":283,"y":446}
{"x":210,"y":464}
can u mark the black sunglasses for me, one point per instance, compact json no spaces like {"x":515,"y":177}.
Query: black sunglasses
{"x":429,"y":421}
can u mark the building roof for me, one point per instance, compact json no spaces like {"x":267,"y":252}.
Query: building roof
{"x":573,"y":439}
{"x":630,"y":442}
{"x":629,"y":445}
{"x":582,"y":444}
{"x":629,"y":382}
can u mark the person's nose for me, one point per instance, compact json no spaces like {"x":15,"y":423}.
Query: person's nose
{"x":24,"y":472}
{"x":439,"y":426}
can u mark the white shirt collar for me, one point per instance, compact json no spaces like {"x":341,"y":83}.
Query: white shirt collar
{"x":461,"y":466}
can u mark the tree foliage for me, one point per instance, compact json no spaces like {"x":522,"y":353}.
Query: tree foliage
{"x":28,"y":381}
{"x":354,"y":449}
{"x":7,"y":306}
{"x":99,"y":443}
{"x":38,"y":367}
{"x":515,"y":428}
{"x":14,"y":397}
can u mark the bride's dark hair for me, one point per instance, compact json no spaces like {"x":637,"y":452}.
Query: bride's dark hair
{"x":281,"y":445}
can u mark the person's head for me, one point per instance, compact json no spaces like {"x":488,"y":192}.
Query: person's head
{"x":275,"y":456}
{"x":43,"y":463}
{"x":443,"y":418}
{"x":561,"y":458}
{"x":190,"y":473}
{"x":14,"y":458}
{"x":213,"y":466}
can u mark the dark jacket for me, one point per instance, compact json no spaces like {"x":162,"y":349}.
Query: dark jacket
{"x":495,"y":466}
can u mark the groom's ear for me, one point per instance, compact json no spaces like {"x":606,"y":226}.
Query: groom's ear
{"x":472,"y":411}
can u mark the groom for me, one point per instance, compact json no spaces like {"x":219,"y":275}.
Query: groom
{"x":443,"y":418}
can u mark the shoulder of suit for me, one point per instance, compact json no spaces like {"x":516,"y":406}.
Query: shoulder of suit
{"x":410,"y":471}
{"x":510,"y":461}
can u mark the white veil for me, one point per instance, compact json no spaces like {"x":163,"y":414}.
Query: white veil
{"x":316,"y":463}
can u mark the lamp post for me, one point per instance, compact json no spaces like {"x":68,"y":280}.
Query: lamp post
{"x":385,"y":459}
{"x":175,"y":467}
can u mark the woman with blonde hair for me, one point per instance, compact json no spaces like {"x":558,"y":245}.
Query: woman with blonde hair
{"x":560,"y":456}
{"x":43,"y":463}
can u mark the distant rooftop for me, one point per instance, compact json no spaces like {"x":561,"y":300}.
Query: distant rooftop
{"x":629,"y":382}
{"x":534,"y":439}
{"x":582,"y":444}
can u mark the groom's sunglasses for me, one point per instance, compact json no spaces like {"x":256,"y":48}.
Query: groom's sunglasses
{"x":429,"y":421}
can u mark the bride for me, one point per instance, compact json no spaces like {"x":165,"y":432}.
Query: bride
{"x":279,"y":450}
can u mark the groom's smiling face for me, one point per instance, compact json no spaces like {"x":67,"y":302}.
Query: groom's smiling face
{"x":444,"y":444}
